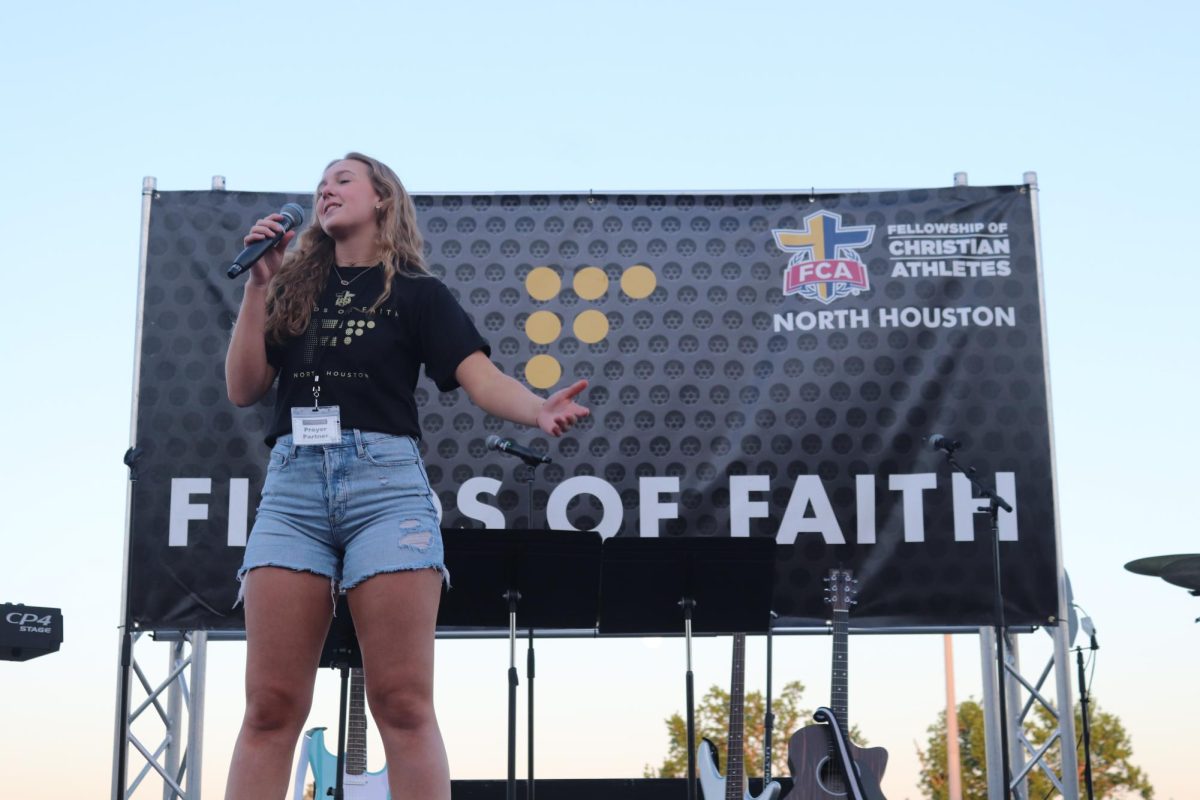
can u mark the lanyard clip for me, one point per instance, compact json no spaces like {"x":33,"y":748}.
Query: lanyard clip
{"x":316,"y":392}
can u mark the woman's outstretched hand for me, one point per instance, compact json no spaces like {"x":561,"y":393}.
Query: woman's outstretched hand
{"x":559,"y":411}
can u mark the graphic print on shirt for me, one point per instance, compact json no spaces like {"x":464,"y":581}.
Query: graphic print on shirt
{"x":330,"y":332}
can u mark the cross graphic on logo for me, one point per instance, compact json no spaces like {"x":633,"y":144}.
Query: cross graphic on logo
{"x":826,"y":264}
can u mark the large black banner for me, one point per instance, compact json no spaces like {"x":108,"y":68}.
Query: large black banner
{"x":760,"y":365}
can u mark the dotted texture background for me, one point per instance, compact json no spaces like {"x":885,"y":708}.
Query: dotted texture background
{"x":691,"y":380}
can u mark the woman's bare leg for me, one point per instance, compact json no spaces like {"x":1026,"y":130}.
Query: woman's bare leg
{"x":395,"y":615}
{"x":287,"y":619}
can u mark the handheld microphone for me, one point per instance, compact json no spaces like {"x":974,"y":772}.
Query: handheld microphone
{"x":939,"y":442}
{"x":510,"y":447}
{"x":293,"y":217}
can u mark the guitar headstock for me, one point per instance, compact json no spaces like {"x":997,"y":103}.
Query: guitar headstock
{"x":841,"y":590}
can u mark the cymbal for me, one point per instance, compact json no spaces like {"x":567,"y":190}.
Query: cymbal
{"x":1154,"y":565}
{"x":1185,"y":572}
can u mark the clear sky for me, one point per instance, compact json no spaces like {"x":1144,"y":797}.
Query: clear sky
{"x":1099,"y":98}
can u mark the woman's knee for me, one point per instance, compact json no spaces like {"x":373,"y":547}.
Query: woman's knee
{"x":276,"y":709}
{"x":401,"y":708}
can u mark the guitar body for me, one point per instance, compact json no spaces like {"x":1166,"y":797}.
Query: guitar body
{"x":712,"y":783}
{"x":357,"y":783}
{"x":814,"y":775}
{"x":316,"y":756}
{"x":732,"y":785}
{"x":814,"y":754}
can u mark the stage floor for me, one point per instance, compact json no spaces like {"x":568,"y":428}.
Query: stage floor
{"x":592,"y":789}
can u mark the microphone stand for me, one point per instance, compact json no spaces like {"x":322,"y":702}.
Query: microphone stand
{"x":995,"y":503}
{"x":529,"y":661}
{"x":769,"y":719}
{"x":529,"y":481}
{"x":532,"y":465}
{"x":1083,"y":708}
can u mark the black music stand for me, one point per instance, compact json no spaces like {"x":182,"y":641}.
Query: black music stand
{"x":717,"y":585}
{"x":341,"y":652}
{"x":553,"y":577}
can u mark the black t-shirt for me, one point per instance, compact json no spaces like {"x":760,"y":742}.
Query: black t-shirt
{"x":369,"y":362}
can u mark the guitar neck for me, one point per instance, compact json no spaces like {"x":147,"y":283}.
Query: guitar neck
{"x":356,"y":726}
{"x":840,"y":677}
{"x":734,"y":771}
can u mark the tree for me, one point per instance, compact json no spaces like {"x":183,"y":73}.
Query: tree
{"x":712,"y":723}
{"x":1113,"y":774}
{"x":934,"y":781}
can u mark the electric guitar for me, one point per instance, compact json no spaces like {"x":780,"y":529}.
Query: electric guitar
{"x":732,"y":786}
{"x":817,"y":770}
{"x":357,"y":783}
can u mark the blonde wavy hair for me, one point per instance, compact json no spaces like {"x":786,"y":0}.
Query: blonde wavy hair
{"x":294,"y":290}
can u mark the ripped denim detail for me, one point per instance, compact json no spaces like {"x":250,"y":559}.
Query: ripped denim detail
{"x":410,"y":536}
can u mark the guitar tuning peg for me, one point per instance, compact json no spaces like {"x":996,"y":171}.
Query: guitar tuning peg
{"x":827,"y":601}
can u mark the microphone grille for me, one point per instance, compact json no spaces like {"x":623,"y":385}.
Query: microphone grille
{"x":293,"y":212}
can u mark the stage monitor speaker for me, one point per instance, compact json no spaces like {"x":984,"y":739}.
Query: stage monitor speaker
{"x":29,"y":631}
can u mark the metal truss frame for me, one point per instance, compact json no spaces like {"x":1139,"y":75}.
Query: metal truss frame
{"x":177,"y":698}
{"x":1023,"y":695}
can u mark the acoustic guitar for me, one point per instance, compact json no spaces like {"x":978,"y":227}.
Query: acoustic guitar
{"x":817,"y":770}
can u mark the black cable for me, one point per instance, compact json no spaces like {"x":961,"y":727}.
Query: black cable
{"x":1090,"y":665}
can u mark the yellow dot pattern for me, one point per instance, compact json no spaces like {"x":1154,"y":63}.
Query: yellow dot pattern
{"x":543,"y":371}
{"x":356,"y":327}
{"x":591,"y":283}
{"x":590,"y":326}
{"x":543,"y":283}
{"x":638,"y":282}
{"x":543,"y":327}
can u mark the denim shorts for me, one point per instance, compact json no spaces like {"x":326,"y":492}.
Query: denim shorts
{"x":347,"y":511}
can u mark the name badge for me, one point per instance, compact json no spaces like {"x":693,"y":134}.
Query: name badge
{"x":321,"y":425}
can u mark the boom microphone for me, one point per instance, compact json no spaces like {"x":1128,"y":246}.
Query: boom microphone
{"x":293,"y":217}
{"x":530,"y":457}
{"x":939,"y":442}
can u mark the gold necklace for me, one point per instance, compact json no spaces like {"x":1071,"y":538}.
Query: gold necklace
{"x":343,"y":281}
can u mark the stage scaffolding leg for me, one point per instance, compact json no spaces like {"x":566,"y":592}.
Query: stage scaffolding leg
{"x":991,"y":712}
{"x":120,"y":727}
{"x":174,"y":759}
{"x":1016,"y":752}
{"x":1056,"y":758}
{"x":1066,"y":700}
{"x":177,"y":701}
{"x":195,"y":742}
